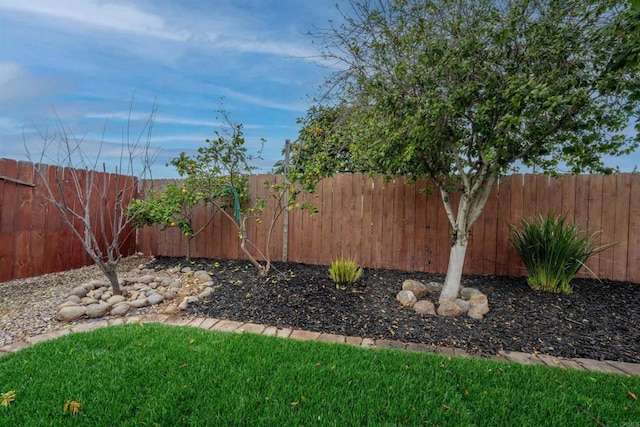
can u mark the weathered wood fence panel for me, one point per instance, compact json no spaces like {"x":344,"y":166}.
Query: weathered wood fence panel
{"x":34,"y":239}
{"x":381,"y":224}
{"x":394,"y":225}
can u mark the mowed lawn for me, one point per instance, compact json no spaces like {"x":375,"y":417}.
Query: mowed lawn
{"x":160,"y":375}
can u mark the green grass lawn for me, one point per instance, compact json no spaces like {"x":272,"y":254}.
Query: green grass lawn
{"x":160,"y":375}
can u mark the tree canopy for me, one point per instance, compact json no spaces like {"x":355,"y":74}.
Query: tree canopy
{"x":462,"y":91}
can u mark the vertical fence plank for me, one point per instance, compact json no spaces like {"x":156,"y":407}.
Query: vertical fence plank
{"x":633,"y":274}
{"x":398,"y":241}
{"x":622,"y":227}
{"x":503,"y":206}
{"x":365,"y":257}
{"x":346,"y":184}
{"x":377,"y":215}
{"x":409,"y":231}
{"x":421,"y":261}
{"x":356,"y":216}
{"x":490,"y":237}
{"x":515,"y":215}
{"x":594,"y":227}
{"x":607,"y":225}
{"x":433,"y":205}
{"x":7,"y":205}
{"x":23,"y":215}
{"x":324,"y":204}
{"x":581,"y":210}
{"x":336,"y":215}
{"x":388,"y":223}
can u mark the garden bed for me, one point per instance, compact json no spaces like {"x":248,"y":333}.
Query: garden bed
{"x":600,"y":320}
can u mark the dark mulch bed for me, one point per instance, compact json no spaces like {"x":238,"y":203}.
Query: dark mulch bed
{"x":600,"y":320}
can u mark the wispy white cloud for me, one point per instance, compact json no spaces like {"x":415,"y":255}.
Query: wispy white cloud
{"x":99,"y":14}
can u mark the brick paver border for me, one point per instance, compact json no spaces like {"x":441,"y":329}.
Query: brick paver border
{"x":232,"y":326}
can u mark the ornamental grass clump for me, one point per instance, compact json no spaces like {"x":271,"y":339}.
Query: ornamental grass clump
{"x":344,"y":272}
{"x":553,"y":251}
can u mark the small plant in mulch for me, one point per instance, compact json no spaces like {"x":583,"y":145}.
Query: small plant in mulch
{"x":344,"y":272}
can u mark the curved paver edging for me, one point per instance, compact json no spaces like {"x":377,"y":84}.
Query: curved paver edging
{"x":207,"y":323}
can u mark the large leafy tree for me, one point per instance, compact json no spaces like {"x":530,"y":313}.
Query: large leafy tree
{"x":461,"y":91}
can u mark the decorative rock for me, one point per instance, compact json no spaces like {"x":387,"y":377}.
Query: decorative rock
{"x":463,"y":304}
{"x":79,"y":291}
{"x":434,"y":288}
{"x":66,"y":304}
{"x":134,"y":295}
{"x":418,"y":289}
{"x":88,"y":300}
{"x":406,"y":298}
{"x":203,"y":276}
{"x":105,"y":296}
{"x":155,"y":299}
{"x":467,"y":293}
{"x":73,"y":298}
{"x":115,"y":299}
{"x":205,"y":293}
{"x":69,"y":313}
{"x":142,"y":302}
{"x":167,"y":281}
{"x":147,"y":278}
{"x":186,"y":270}
{"x":89,"y":286}
{"x":176,"y":284}
{"x":449,"y":309}
{"x":208,"y":284}
{"x":478,"y":306}
{"x":153,"y":285}
{"x":185,"y":302}
{"x":97,"y":310}
{"x":97,"y":294}
{"x":425,"y":307}
{"x":97,"y":283}
{"x":170,"y":294}
{"x":150,"y":292}
{"x":120,"y":309}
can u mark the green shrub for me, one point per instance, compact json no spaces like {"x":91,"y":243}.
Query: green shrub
{"x":553,"y":251}
{"x":344,"y":272}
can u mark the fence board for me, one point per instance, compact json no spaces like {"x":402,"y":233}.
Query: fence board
{"x":608,"y":224}
{"x":622,"y":227}
{"x":7,"y":209}
{"x":377,"y":241}
{"x":633,"y":260}
{"x":515,"y":214}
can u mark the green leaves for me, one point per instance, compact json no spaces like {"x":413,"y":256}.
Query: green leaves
{"x":344,"y":272}
{"x":553,"y":251}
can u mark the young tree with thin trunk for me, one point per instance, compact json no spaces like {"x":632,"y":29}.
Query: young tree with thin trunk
{"x":92,"y":202}
{"x":462,"y":91}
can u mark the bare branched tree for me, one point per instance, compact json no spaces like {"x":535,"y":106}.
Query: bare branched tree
{"x":91,"y":201}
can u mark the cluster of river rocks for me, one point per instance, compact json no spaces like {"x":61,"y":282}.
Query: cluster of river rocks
{"x":95,"y":298}
{"x":472,"y":302}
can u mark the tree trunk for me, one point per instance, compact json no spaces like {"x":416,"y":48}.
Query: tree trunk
{"x":112,"y":274}
{"x":451,"y":288}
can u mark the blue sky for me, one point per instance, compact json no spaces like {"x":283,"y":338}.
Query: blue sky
{"x":86,"y":59}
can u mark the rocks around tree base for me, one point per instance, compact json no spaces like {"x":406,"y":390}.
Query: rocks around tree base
{"x":95,"y":298}
{"x":471,"y":302}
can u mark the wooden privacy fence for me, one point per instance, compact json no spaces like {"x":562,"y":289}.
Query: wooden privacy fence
{"x":33,"y":237}
{"x":393,"y":225}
